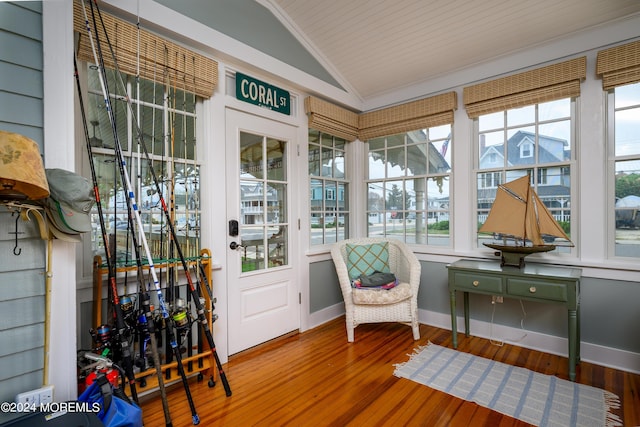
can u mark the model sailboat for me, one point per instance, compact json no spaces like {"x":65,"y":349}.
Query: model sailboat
{"x":519,"y":214}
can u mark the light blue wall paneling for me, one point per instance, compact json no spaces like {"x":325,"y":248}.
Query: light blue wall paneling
{"x":324,"y":289}
{"x":252,"y":24}
{"x":609,"y":308}
{"x":22,"y":279}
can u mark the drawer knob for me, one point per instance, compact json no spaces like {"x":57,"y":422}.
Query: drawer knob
{"x":476,"y":283}
{"x":532,"y":289}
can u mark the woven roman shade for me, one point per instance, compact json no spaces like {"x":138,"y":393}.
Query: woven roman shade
{"x":332,"y":119}
{"x":158,"y":58}
{"x":433,"y":111}
{"x":619,"y":65}
{"x":543,"y":84}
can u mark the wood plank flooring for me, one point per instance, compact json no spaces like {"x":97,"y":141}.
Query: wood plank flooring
{"x":316,"y":378}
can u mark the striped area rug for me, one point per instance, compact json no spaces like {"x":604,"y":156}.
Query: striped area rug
{"x":538,"y":399}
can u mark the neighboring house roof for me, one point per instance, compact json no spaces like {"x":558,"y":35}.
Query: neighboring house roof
{"x":550,"y":149}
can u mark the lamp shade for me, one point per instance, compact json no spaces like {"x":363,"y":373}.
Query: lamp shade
{"x":22,"y":174}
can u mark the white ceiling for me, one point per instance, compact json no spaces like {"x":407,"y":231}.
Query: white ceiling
{"x":375,"y":47}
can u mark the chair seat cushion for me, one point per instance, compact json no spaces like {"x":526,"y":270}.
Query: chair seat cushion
{"x":381,"y":296}
{"x":365,"y":259}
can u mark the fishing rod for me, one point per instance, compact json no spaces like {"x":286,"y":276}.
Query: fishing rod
{"x":132,"y":200}
{"x":186,"y":194}
{"x":111,"y":268}
{"x":172,"y":292}
{"x":199,"y":308}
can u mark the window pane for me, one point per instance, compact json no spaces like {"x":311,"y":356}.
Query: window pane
{"x":627,"y":208}
{"x":554,"y":109}
{"x":627,"y":96}
{"x":276,"y":168}
{"x":438,"y":211}
{"x":491,"y":150}
{"x":377,"y":164}
{"x":376,"y":144}
{"x":627,"y":140}
{"x":491,"y":121}
{"x":417,"y":159}
{"x":277,"y":246}
{"x":253,"y":253}
{"x":555,"y":142}
{"x":276,"y":203}
{"x":376,"y":197}
{"x":554,"y":189}
{"x":521,"y":146}
{"x":251,"y":156}
{"x":338,"y":165}
{"x":395,"y":162}
{"x":440,"y":160}
{"x":521,"y":116}
{"x":314,"y":160}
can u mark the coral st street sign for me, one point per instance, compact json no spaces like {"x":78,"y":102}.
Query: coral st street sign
{"x":262,"y":94}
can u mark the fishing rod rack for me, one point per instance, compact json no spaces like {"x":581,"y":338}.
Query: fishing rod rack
{"x":202,"y":363}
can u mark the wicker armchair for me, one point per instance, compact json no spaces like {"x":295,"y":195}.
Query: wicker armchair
{"x":399,"y":304}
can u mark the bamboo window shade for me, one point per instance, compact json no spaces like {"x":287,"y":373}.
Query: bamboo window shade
{"x":332,"y":119}
{"x":158,"y":58}
{"x":433,"y":111}
{"x":543,"y":84}
{"x":619,"y":65}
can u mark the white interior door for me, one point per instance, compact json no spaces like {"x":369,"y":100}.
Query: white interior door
{"x":262,"y":289}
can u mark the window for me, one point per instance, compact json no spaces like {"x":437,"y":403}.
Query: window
{"x":167,"y":119}
{"x":624,"y":141}
{"x":536,"y":140}
{"x":328,"y":188}
{"x":408,"y":186}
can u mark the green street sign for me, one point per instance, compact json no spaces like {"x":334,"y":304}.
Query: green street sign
{"x":262,"y":94}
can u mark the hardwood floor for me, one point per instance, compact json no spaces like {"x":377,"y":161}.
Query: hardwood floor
{"x":316,"y":378}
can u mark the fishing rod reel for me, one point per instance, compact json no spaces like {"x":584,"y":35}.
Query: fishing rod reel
{"x":127,"y":305}
{"x":182,"y":319}
{"x":102,"y":338}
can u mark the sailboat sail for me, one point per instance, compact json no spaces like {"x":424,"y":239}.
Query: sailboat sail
{"x":518,"y":211}
{"x":508,"y":211}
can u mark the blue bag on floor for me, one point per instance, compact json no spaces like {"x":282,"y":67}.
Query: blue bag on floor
{"x":115,"y":411}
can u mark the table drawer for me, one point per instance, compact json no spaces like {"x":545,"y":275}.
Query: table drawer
{"x":477,"y":282}
{"x":537,"y":289}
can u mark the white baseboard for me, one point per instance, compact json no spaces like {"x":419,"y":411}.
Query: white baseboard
{"x":592,"y":353}
{"x":325,"y":315}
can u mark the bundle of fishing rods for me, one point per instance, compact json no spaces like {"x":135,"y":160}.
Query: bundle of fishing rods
{"x":115,"y":338}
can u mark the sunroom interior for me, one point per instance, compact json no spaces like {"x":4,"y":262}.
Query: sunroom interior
{"x":408,"y":140}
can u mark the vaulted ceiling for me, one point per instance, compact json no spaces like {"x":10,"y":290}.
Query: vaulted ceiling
{"x":371,"y":48}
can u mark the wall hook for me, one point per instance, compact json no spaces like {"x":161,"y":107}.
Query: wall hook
{"x":16,"y":250}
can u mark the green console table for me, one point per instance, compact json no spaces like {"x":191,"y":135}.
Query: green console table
{"x":534,"y":282}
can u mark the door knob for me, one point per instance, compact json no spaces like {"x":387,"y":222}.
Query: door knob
{"x":235,"y":246}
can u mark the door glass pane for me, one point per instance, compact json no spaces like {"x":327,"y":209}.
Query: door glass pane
{"x":252,"y":253}
{"x":276,"y":165}
{"x":251,"y":155}
{"x":276,"y":203}
{"x":277,"y":246}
